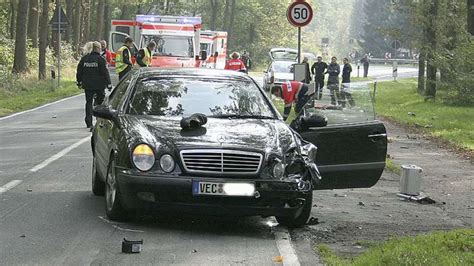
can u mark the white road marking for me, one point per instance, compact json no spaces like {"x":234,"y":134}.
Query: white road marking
{"x":283,"y":241}
{"x":10,"y":185}
{"x":39,"y":107}
{"x":59,"y":155}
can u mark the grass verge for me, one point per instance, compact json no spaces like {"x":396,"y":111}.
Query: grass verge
{"x":400,"y":102}
{"x":33,"y":94}
{"x":438,"y":248}
{"x":391,"y":166}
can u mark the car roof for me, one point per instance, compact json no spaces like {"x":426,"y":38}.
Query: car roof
{"x":151,"y":72}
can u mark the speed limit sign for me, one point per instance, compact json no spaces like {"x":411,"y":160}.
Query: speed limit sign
{"x":299,"y":13}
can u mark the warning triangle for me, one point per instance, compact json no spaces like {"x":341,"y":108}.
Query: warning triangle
{"x":57,"y":15}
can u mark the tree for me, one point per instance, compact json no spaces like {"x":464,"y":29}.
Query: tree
{"x":70,"y":16}
{"x":214,"y":10}
{"x":33,"y":19}
{"x":432,"y":41}
{"x":100,"y":19}
{"x":43,"y":40}
{"x":19,"y":63}
{"x":76,"y":27}
{"x":12,"y":19}
{"x":86,"y":19}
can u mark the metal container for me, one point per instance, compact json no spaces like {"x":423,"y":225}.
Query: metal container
{"x":410,"y":180}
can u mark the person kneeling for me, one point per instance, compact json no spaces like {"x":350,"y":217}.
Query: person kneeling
{"x":293,"y":91}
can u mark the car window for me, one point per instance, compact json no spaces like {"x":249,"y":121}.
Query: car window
{"x":118,"y":94}
{"x":354,"y":104}
{"x":186,"y":96}
{"x":283,"y":67}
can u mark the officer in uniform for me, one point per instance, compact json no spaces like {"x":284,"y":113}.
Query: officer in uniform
{"x":92,"y":76}
{"x":145,"y":55}
{"x":123,"y":58}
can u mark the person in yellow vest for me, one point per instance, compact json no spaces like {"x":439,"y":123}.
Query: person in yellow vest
{"x":123,"y":58}
{"x":145,"y":55}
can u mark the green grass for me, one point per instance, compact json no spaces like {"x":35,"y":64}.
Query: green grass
{"x":33,"y":94}
{"x":391,"y":166}
{"x":438,"y":248}
{"x":453,"y":124}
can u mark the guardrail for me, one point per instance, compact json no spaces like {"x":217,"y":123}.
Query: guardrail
{"x":391,"y":61}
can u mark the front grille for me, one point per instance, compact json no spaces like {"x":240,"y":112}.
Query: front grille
{"x":221,"y":161}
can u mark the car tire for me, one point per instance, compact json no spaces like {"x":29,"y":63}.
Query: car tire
{"x":98,"y":186}
{"x":302,"y":218}
{"x":113,"y":206}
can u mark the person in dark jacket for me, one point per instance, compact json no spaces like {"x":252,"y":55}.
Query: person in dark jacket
{"x":92,"y":76}
{"x":307,"y":78}
{"x":318,"y":69}
{"x":365,"y":61}
{"x":346,"y":93}
{"x":333,"y":81}
{"x":145,"y":55}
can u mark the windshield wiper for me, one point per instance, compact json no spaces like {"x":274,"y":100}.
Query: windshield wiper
{"x":242,"y":116}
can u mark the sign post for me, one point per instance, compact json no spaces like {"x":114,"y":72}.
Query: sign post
{"x":395,"y":70}
{"x":59,"y":23}
{"x":299,"y":14}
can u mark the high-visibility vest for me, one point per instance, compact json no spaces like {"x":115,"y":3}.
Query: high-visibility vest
{"x":119,"y":64}
{"x":147,"y":57}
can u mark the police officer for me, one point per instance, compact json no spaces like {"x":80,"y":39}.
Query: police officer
{"x":145,"y":55}
{"x":346,"y":93}
{"x":318,"y":69}
{"x":92,"y":76}
{"x":333,"y":81}
{"x":123,"y":58}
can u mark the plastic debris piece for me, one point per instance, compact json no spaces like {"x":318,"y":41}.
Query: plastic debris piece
{"x":411,"y":114}
{"x":54,"y":116}
{"x":422,"y":199}
{"x":313,"y":221}
{"x":361,"y":203}
{"x":132,"y":246}
{"x":278,"y":259}
{"x":194,"y":251}
{"x":29,"y":190}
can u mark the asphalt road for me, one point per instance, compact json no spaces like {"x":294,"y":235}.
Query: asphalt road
{"x":48,"y":214}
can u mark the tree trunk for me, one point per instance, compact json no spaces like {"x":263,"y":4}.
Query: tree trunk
{"x":70,"y":16}
{"x":12,"y":19}
{"x":100,"y":19}
{"x":76,"y":38}
{"x":231,"y":23}
{"x":421,"y":73}
{"x":430,"y":57}
{"x":226,"y":15}
{"x":33,"y":23}
{"x":86,"y":20}
{"x":214,"y":9}
{"x":43,"y":40}
{"x":19,"y":62}
{"x":105,"y":34}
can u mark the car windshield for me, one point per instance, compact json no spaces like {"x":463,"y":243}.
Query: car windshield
{"x":180,"y":46}
{"x":284,"y":55}
{"x":186,"y":96}
{"x":283,"y":67}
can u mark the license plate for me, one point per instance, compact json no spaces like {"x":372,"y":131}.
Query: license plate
{"x":223,"y":189}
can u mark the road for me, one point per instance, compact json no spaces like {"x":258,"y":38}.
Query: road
{"x":48,"y":214}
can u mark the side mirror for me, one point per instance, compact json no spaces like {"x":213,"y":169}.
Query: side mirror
{"x":203,"y":55}
{"x":104,"y":112}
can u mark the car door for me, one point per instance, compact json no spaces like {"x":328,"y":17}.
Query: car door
{"x":352,"y":148}
{"x":103,"y":134}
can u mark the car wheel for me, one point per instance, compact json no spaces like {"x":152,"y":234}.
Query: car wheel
{"x":98,"y":186}
{"x":302,"y":218}
{"x":113,"y":206}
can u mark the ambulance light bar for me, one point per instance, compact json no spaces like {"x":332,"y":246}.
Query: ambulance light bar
{"x":168,"y":19}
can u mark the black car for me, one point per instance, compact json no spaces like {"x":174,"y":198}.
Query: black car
{"x":211,"y":142}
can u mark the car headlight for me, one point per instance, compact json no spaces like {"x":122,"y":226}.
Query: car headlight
{"x":278,"y":169}
{"x":143,"y":157}
{"x":167,"y":163}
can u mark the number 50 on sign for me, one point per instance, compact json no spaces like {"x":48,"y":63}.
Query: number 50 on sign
{"x":299,"y":13}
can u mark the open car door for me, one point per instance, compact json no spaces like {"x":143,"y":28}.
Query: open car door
{"x":352,"y":147}
{"x":116,"y":40}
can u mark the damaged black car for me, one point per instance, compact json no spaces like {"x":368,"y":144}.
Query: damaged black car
{"x":212,"y":142}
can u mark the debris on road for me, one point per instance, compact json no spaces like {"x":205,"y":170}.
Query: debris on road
{"x":54,"y":116}
{"x":278,"y":259}
{"x":411,"y":114}
{"x":361,"y":203}
{"x":132,"y":246}
{"x":22,"y":236}
{"x":194,"y":251}
{"x":313,"y":221}
{"x":340,"y":195}
{"x":29,"y":190}
{"x":422,"y":199}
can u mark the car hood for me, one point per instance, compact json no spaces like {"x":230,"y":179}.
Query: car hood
{"x":262,"y":135}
